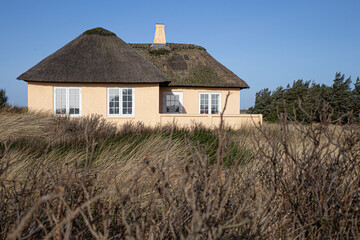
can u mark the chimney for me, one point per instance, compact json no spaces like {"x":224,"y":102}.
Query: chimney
{"x":159,"y":39}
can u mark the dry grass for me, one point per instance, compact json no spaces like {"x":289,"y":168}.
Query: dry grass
{"x":83,"y":178}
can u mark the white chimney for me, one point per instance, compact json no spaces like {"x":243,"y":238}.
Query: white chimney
{"x":159,"y":38}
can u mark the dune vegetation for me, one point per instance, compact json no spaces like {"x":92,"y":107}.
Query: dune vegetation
{"x":84,"y":178}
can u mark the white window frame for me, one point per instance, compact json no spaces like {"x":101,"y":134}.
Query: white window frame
{"x":120,"y":102}
{"x":209,"y":102}
{"x":68,"y":102}
{"x":180,"y":94}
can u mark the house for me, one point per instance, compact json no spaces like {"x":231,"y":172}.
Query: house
{"x":98,"y":73}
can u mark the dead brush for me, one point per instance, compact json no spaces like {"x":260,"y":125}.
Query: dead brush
{"x":311,"y":172}
{"x":301,"y":181}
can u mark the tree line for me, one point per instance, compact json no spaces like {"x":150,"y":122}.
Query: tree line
{"x":307,"y":99}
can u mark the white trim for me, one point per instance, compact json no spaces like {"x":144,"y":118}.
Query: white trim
{"x":209,"y":102}
{"x":67,"y":105}
{"x":180,"y":94}
{"x":120,"y":102}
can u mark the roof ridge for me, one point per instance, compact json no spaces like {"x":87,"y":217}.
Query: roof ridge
{"x":99,"y":31}
{"x":172,"y":46}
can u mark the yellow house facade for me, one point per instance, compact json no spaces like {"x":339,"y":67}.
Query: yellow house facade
{"x":98,"y":73}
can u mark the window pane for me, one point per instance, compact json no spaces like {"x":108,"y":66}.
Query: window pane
{"x":204,"y":103}
{"x":114,"y":101}
{"x":113,"y":92}
{"x":215,"y":108}
{"x":60,"y":101}
{"x":74,"y":101}
{"x":127,"y":101}
{"x":172,"y":103}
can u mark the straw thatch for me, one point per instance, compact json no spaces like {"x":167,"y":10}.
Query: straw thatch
{"x":97,"y":55}
{"x":190,"y":65}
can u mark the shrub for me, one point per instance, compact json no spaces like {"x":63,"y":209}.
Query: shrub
{"x":86,"y":179}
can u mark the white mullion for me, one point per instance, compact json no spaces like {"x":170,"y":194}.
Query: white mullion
{"x":67,"y":102}
{"x":108,"y":102}
{"x":120,"y":101}
{"x":210,"y":102}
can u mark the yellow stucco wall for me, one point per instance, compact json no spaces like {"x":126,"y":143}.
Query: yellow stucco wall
{"x":40,"y":97}
{"x":94,"y":100}
{"x":235,"y":121}
{"x":191,"y":98}
{"x":148,"y":104}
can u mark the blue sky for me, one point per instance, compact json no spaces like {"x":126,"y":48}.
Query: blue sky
{"x":267,"y":43}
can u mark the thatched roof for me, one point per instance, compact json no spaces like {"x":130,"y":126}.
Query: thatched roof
{"x":190,"y":65}
{"x":97,"y":55}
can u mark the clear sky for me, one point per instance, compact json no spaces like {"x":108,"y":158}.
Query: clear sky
{"x":268,"y":43}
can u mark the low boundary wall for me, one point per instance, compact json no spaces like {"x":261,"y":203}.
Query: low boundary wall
{"x":235,"y":121}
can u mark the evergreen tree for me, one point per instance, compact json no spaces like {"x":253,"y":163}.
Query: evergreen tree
{"x":356,"y":98}
{"x":305,"y":98}
{"x":3,"y":98}
{"x":341,"y":99}
{"x":262,"y":102}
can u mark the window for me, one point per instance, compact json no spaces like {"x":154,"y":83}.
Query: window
{"x":172,"y":102}
{"x":209,"y":103}
{"x":121,"y":101}
{"x":67,"y":100}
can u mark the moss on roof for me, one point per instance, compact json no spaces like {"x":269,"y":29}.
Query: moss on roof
{"x":201,"y":75}
{"x":94,"y":58}
{"x":172,"y":46}
{"x":99,"y":31}
{"x":189,"y":65}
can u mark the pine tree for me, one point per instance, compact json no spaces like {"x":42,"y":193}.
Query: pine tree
{"x":3,"y":98}
{"x":262,"y":102}
{"x":341,"y":99}
{"x":356,"y":98}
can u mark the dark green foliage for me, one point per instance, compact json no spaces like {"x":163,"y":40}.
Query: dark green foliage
{"x":305,"y":100}
{"x":99,"y":31}
{"x":356,"y":98}
{"x":159,"y":51}
{"x":262,"y":102}
{"x":3,"y":98}
{"x":340,"y":99}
